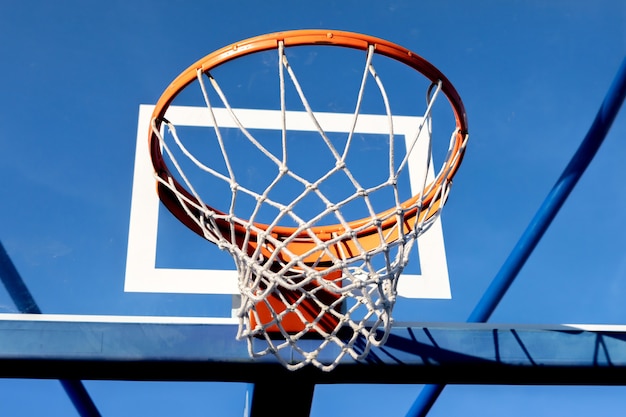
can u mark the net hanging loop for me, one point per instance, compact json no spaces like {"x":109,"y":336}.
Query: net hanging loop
{"x":310,"y":293}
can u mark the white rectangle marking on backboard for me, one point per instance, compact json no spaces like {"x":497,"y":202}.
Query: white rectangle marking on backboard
{"x":142,"y":274}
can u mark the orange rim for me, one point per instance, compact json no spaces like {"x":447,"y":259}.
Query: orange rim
{"x":368,"y":238}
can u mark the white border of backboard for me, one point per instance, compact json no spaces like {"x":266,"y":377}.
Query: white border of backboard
{"x":142,"y":275}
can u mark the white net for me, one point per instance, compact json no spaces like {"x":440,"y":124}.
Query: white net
{"x":310,"y":294}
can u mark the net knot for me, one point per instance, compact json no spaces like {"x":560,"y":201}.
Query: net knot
{"x":340,"y":164}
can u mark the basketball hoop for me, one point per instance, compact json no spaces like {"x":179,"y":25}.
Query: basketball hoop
{"x":333,"y":283}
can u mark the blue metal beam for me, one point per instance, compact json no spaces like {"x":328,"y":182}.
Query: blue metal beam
{"x":553,"y":202}
{"x":42,"y":346}
{"x":25,"y":303}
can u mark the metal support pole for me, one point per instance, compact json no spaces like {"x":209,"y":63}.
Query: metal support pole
{"x":26,"y":304}
{"x":539,"y":224}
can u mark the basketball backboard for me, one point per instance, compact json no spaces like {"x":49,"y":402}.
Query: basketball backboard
{"x":106,"y":248}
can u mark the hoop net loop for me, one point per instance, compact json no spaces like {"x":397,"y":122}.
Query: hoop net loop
{"x":298,"y":278}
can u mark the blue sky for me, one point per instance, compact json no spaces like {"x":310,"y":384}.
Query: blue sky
{"x":531,"y":74}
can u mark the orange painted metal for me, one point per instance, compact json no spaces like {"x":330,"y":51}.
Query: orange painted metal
{"x":368,"y":238}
